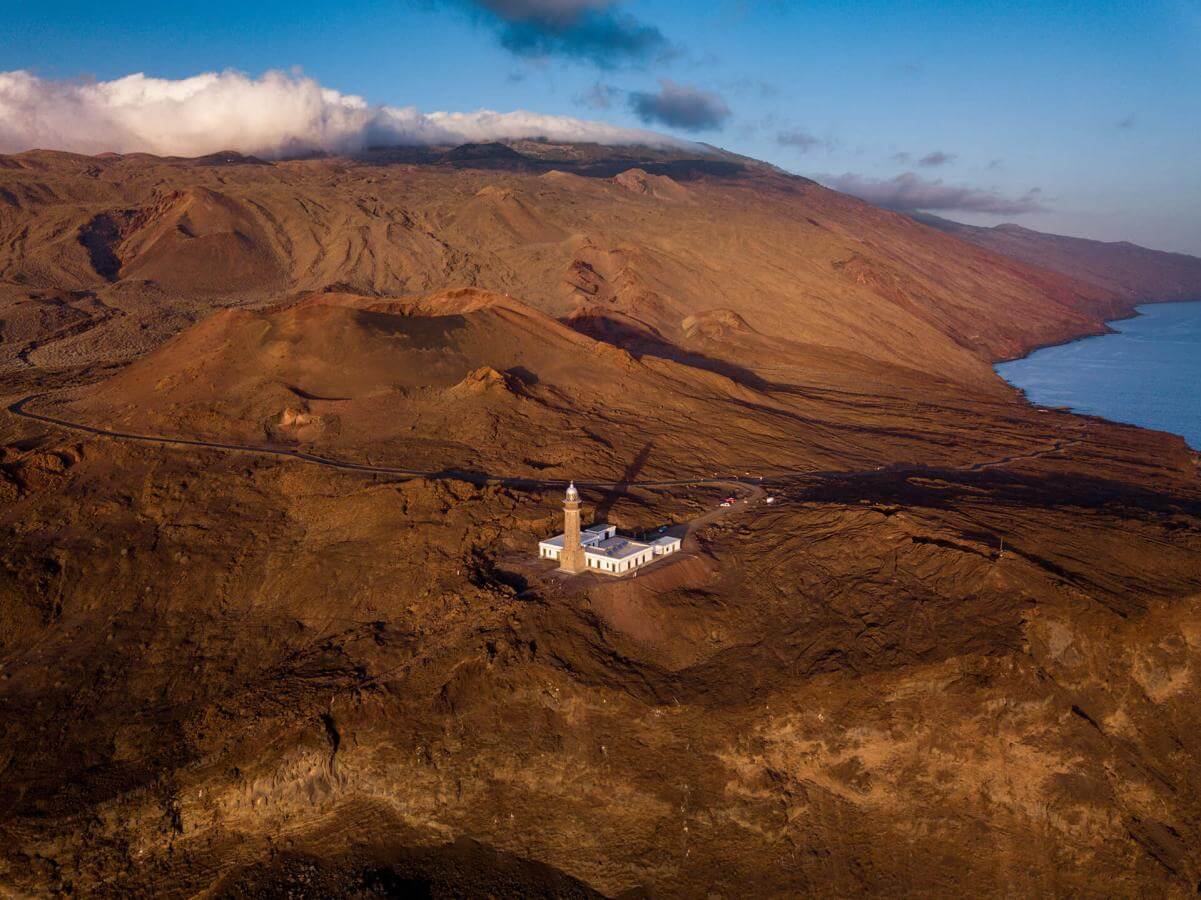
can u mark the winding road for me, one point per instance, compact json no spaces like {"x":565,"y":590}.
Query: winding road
{"x":20,"y":409}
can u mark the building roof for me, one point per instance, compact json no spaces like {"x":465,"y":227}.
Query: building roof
{"x":665,"y":540}
{"x":616,"y":548}
{"x":586,"y":534}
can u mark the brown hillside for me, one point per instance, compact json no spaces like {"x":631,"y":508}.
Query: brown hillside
{"x":1127,"y":269}
{"x":387,"y":380}
{"x":958,"y":654}
{"x":793,"y":259}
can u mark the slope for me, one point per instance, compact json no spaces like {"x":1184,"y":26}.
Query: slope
{"x":1134,"y":272}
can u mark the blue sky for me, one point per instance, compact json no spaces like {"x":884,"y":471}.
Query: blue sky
{"x":1072,"y":117}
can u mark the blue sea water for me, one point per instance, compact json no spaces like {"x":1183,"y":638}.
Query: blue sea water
{"x":1148,"y":373}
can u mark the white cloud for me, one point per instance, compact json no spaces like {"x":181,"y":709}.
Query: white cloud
{"x":275,"y":115}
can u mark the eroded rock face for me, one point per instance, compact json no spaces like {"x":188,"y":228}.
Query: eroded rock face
{"x":661,"y":187}
{"x":301,"y":425}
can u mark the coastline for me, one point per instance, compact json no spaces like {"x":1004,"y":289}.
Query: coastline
{"x":1083,"y":406}
{"x":1133,"y":312}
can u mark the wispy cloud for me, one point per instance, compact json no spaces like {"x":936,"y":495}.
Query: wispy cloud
{"x":276,"y":115}
{"x":936,"y":158}
{"x":758,"y":87}
{"x":910,"y":191}
{"x":600,"y":96}
{"x":594,"y":30}
{"x":680,"y":106}
{"x":930,"y":160}
{"x":801,"y":141}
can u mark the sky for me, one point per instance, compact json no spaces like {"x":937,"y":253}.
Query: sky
{"x":1073,"y":117}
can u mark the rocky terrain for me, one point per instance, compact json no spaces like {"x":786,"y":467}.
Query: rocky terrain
{"x":958,"y":654}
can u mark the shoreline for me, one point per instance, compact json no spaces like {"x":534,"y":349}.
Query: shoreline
{"x":1134,"y":312}
{"x":1137,"y":311}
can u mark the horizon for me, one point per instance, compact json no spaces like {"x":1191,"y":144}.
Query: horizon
{"x":903,"y":109}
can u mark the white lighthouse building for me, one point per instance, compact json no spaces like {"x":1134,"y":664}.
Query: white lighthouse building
{"x":599,"y":548}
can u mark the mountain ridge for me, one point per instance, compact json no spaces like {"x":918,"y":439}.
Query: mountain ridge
{"x":1134,"y":271}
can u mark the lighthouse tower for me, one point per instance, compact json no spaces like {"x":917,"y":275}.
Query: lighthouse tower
{"x":572,"y":558}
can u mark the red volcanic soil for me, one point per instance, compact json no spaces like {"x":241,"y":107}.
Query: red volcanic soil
{"x":958,"y":654}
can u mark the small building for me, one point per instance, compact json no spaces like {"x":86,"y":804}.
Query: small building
{"x":599,"y":548}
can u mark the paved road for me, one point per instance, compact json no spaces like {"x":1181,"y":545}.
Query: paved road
{"x":20,"y":408}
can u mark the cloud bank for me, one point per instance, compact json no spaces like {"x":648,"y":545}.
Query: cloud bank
{"x":909,"y":192}
{"x":273,"y":116}
{"x":594,"y":30}
{"x":680,"y":106}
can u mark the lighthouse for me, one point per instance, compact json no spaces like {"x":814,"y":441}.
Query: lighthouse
{"x":599,"y":548}
{"x":572,"y":558}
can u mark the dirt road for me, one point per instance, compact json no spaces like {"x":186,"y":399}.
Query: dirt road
{"x":20,"y":409}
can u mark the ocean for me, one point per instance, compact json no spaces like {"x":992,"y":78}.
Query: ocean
{"x":1148,"y":373}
